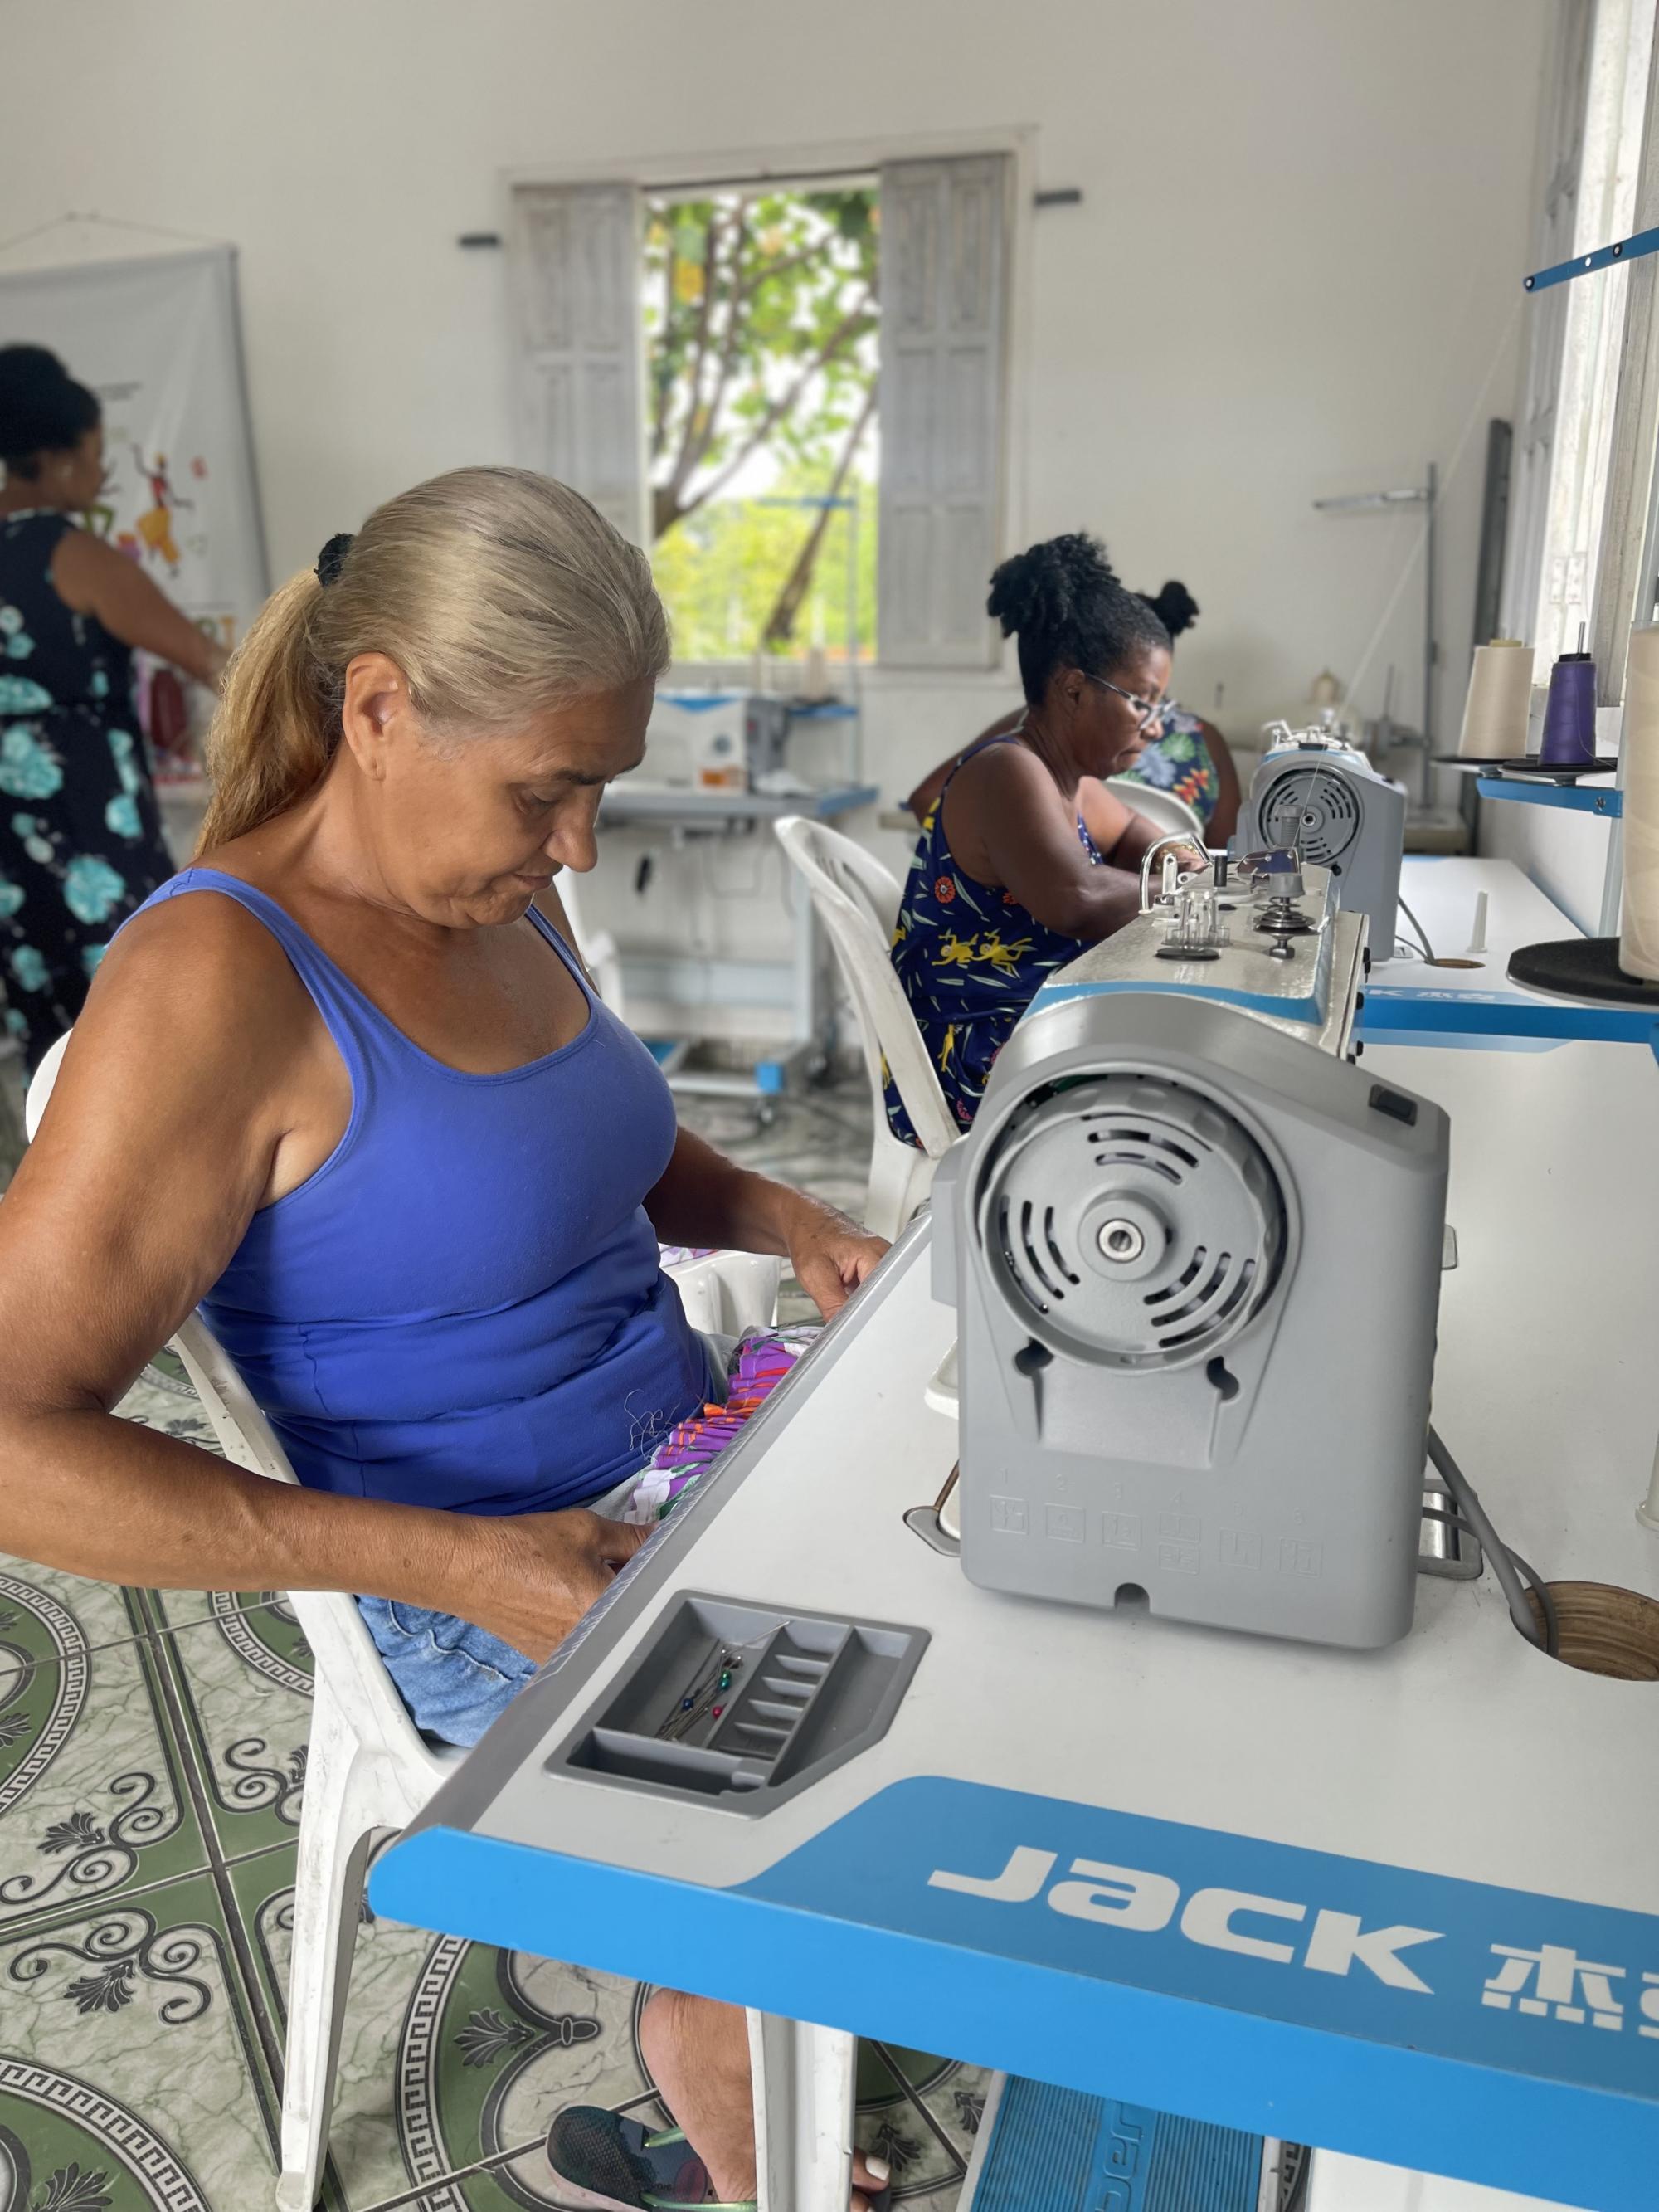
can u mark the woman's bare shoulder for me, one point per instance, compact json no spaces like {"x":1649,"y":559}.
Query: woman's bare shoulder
{"x":80,"y":561}
{"x":200,"y":965}
{"x":1001,"y":775}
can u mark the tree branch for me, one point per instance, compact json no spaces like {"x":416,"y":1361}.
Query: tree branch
{"x":694,"y":396}
{"x":772,"y":269}
{"x":663,"y":380}
{"x":851,"y":327}
{"x":738,"y":294}
{"x":780,"y":622}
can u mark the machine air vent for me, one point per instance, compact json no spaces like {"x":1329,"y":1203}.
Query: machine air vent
{"x":1131,"y":1221}
{"x":1317,"y":811}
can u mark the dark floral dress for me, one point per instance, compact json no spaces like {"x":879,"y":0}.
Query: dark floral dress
{"x":81,"y":843}
{"x":971,"y":958}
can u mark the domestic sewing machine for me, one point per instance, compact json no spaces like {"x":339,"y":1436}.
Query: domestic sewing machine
{"x":1314,"y":794}
{"x":714,"y":741}
{"x":1194,"y":1252}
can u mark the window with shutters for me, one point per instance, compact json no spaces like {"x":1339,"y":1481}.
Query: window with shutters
{"x":794,"y":395}
{"x":1565,"y":444}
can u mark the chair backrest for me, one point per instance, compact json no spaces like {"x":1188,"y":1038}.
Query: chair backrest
{"x":1173,"y":816}
{"x":344,"y":1650}
{"x":41,"y":1083}
{"x":857,"y":900}
{"x":597,"y":949}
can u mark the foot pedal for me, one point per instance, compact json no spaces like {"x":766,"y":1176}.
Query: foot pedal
{"x":1042,"y":2150}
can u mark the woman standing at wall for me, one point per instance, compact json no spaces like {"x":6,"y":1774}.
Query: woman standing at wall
{"x":81,"y":843}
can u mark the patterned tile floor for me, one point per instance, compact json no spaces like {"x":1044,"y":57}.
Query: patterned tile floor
{"x":152,"y":1762}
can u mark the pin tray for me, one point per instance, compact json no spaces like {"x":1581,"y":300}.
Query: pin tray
{"x":807,"y":1692}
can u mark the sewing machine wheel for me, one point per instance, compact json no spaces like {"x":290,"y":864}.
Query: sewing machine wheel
{"x":1313,"y":811}
{"x":1131,"y":1222}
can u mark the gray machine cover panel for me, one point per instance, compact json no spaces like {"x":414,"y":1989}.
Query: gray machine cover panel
{"x":1339,"y":813}
{"x":1271,"y":1478}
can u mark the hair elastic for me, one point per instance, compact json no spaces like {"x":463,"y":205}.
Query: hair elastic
{"x":331,"y":559}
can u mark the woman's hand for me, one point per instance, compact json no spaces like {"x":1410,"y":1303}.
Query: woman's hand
{"x":831,"y":1256}
{"x":705,"y":1199}
{"x":543,"y":1574}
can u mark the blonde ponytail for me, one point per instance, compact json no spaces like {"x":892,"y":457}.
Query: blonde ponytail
{"x":269,"y":743}
{"x":499,"y":594}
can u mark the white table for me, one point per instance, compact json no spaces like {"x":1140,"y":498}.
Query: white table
{"x":1461,"y":1781}
{"x":798,"y":963}
{"x":1408,"y":1001}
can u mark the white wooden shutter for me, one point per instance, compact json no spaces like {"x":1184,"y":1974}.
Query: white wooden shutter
{"x":574,"y":258}
{"x":1561,"y":152}
{"x":943,"y":349}
{"x":1624,"y":577}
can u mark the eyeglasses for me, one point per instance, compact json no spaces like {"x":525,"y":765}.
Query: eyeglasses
{"x":1147,"y":711}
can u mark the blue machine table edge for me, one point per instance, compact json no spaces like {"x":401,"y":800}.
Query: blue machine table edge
{"x":1404,"y":2015}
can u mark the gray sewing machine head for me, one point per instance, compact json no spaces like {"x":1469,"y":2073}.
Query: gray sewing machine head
{"x":1194,"y":1252}
{"x":1315,"y":794}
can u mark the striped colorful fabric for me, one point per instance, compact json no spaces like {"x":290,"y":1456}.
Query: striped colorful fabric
{"x":757,"y":1367}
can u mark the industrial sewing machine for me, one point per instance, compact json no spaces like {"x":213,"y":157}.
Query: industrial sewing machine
{"x":794,"y":1760}
{"x":1314,"y":795}
{"x":1194,"y":1251}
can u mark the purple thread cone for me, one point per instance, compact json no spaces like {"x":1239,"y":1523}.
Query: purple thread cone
{"x":1569,"y":718}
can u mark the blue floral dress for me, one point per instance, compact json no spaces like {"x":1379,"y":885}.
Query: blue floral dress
{"x":971,"y":958}
{"x":1178,"y":760}
{"x":81,"y":843}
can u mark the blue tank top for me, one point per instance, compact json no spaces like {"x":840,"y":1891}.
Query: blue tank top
{"x":463,"y":1306}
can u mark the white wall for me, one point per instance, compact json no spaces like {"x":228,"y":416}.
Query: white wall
{"x":1566,"y":854}
{"x":1301,"y":240}
{"x":1295,"y":271}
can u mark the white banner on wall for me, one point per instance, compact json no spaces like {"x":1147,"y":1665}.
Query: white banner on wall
{"x":158,"y":339}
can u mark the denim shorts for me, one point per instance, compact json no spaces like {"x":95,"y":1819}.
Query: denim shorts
{"x":455,"y":1678}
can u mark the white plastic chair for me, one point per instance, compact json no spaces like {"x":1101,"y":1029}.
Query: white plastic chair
{"x":598,"y":949}
{"x":1172,"y":815}
{"x":368,"y":1767}
{"x":858,"y":901}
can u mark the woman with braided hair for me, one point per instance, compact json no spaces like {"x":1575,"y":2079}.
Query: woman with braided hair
{"x":1025,"y":856}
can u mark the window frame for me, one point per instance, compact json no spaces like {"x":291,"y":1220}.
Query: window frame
{"x":795,"y":165}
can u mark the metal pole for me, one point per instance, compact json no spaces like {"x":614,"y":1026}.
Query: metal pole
{"x":852,"y":603}
{"x":855,"y":673}
{"x":1430,"y":643}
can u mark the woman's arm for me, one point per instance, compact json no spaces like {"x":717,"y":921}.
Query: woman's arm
{"x":1123,"y":834}
{"x":168,"y":1120}
{"x":1008,"y":824}
{"x":94,"y":578}
{"x":705,"y":1198}
{"x":934,"y":782}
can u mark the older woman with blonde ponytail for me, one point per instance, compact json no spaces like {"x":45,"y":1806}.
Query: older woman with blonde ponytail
{"x":343,"y":1085}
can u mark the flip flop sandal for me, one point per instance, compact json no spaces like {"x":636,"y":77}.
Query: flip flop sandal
{"x":605,"y":2163}
{"x":878,"y":2200}
{"x":609,"y":2164}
